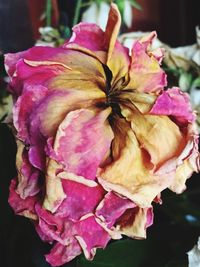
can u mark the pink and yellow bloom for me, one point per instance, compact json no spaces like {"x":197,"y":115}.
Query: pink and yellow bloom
{"x":99,"y":138}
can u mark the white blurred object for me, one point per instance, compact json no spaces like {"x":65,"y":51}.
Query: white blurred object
{"x":127,"y":14}
{"x":195,"y":93}
{"x":128,"y":39}
{"x":194,"y":255}
{"x":97,"y":14}
{"x":190,"y":52}
{"x":49,"y":36}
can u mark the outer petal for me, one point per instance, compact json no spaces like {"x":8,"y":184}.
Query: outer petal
{"x":39,"y":65}
{"x":23,"y":108}
{"x":54,"y":190}
{"x":90,"y":236}
{"x":174,"y":103}
{"x":25,"y":207}
{"x":81,"y":200}
{"x":88,"y":35}
{"x":145,"y":73}
{"x":87,"y":231}
{"x":11,"y":60}
{"x":135,"y":222}
{"x":60,"y":254}
{"x":158,"y":135}
{"x":112,"y":207}
{"x":27,"y":175}
{"x":188,"y":161}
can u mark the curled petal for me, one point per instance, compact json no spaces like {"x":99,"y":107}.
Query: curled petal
{"x":88,"y":35}
{"x":81,"y":200}
{"x":11,"y":60}
{"x":27,"y":175}
{"x":188,"y":162}
{"x":54,"y":190}
{"x":61,"y":254}
{"x":135,"y":222}
{"x":112,"y":207}
{"x":174,"y":103}
{"x":90,"y":236}
{"x":112,"y":29}
{"x":25,"y":207}
{"x":145,"y":72}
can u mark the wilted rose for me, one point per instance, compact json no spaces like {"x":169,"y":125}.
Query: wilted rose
{"x":98,"y":139}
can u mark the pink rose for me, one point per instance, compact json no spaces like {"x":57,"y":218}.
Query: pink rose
{"x":98,"y":139}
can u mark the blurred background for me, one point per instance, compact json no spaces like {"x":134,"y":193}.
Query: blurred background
{"x":23,"y":23}
{"x":174,"y":20}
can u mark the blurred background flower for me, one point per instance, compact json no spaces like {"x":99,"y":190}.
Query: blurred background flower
{"x":194,"y":255}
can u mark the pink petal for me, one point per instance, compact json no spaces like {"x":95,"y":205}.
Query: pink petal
{"x":23,"y":108}
{"x":80,"y":200}
{"x":174,"y":103}
{"x":51,"y":226}
{"x":91,"y":236}
{"x":88,"y":35}
{"x":112,"y":207}
{"x":134,"y":222}
{"x":11,"y":60}
{"x":25,"y":207}
{"x":145,"y":73}
{"x":28,"y":176}
{"x":76,"y":143}
{"x":61,"y":254}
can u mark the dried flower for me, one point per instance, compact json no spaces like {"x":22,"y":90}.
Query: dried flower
{"x":98,"y":139}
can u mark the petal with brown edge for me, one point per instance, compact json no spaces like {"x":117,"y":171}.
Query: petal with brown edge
{"x":128,"y":174}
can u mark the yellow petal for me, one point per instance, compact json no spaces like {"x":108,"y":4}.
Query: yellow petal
{"x":137,"y":229}
{"x":112,"y":29}
{"x":128,"y":173}
{"x":54,"y":190}
{"x":158,"y":135}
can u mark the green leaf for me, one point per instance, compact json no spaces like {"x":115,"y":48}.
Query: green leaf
{"x":120,"y":4}
{"x":196,"y":82}
{"x":127,"y":252}
{"x":135,"y":4}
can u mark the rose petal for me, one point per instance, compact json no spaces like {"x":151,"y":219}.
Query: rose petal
{"x":146,"y":74}
{"x":112,"y":207}
{"x":75,"y":143}
{"x":88,"y":35}
{"x":60,"y":254}
{"x":25,"y":207}
{"x":90,"y":236}
{"x":158,"y":135}
{"x":80,"y":200}
{"x":27,"y":175}
{"x":130,"y":172}
{"x":23,"y":108}
{"x":174,"y":103}
{"x":135,"y":222}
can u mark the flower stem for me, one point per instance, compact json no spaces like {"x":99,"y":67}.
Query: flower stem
{"x":77,"y":12}
{"x":48,"y":12}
